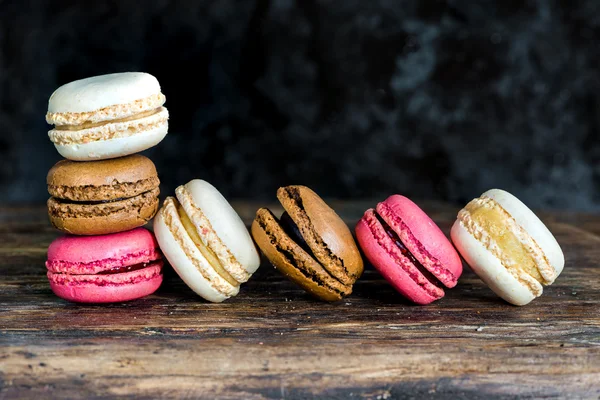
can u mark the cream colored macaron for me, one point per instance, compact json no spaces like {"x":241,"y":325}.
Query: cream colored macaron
{"x":507,"y":246}
{"x":107,"y":116}
{"x":205,"y":241}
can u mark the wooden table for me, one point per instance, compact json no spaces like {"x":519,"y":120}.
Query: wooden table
{"x":273,"y":341}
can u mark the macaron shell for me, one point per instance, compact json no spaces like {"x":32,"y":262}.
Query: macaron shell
{"x":113,"y":148}
{"x":325,"y":232}
{"x":532,"y":225}
{"x":229,"y":236}
{"x":489,"y":268}
{"x":102,"y":91}
{"x":104,"y":218}
{"x":93,"y":254}
{"x":373,"y":243}
{"x":117,"y":178}
{"x":107,"y":288}
{"x":184,"y":266}
{"x":426,"y":235}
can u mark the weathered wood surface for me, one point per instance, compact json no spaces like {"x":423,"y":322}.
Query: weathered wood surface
{"x":272,"y":341}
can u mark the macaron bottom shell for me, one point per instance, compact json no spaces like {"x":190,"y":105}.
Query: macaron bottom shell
{"x":113,"y":148}
{"x":103,"y":218}
{"x":489,"y":268}
{"x":107,"y":288}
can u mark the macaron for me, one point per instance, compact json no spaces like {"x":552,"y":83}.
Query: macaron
{"x":409,"y":249}
{"x":100,"y":197}
{"x":107,"y":116}
{"x":507,"y":246}
{"x":106,"y":268}
{"x":310,"y":244}
{"x":205,"y":241}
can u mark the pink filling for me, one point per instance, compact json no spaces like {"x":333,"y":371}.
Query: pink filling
{"x":98,"y":266}
{"x":416,"y":248}
{"x":140,"y":273}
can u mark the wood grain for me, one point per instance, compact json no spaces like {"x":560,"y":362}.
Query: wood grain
{"x":273,"y":341}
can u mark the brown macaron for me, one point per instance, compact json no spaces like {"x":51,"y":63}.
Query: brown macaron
{"x":310,"y":244}
{"x":100,"y":197}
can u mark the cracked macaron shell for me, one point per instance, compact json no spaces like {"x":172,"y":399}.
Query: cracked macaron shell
{"x":327,"y":235}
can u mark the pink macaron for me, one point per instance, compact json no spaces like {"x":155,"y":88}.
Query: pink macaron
{"x":106,"y":268}
{"x":409,"y":249}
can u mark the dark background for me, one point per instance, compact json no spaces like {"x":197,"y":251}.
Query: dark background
{"x":357,"y":99}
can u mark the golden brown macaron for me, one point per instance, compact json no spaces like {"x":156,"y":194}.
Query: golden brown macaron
{"x":100,"y":197}
{"x":309,"y":244}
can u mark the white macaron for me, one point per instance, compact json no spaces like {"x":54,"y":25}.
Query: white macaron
{"x":507,"y":246}
{"x":107,"y":116}
{"x":205,"y":241}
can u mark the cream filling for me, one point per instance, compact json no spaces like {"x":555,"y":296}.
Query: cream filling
{"x":206,"y":252}
{"x":88,"y":125}
{"x":518,"y":252}
{"x":181,"y":236}
{"x":109,"y":113}
{"x":210,"y":238}
{"x":125,"y":127}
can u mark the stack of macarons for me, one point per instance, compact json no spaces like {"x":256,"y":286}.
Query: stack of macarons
{"x":102,"y":193}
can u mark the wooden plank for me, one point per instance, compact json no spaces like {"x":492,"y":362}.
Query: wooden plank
{"x":273,"y":341}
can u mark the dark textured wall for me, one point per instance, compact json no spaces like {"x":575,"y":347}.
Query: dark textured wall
{"x":439,"y":99}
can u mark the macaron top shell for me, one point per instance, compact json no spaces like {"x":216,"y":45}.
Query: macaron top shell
{"x":93,"y":254}
{"x":102,"y":180}
{"x":532,"y":225}
{"x":430,"y":245}
{"x":204,"y":203}
{"x":97,"y":92}
{"x":327,"y":235}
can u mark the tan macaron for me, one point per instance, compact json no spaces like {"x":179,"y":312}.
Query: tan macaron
{"x":100,"y":197}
